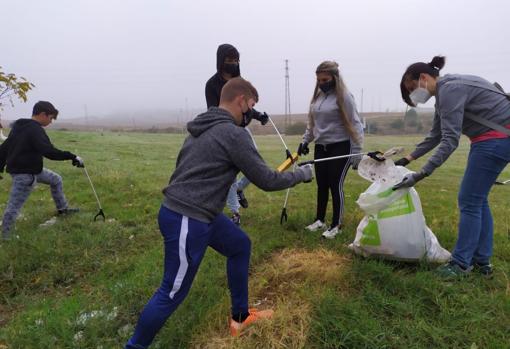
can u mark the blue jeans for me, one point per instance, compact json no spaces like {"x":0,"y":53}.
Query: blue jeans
{"x":186,"y":240}
{"x":22,"y":186}
{"x":232,"y":202}
{"x":485,"y":162}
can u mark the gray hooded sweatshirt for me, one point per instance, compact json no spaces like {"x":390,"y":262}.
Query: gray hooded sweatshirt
{"x":328,"y":127}
{"x":453,"y":98}
{"x":209,"y":161}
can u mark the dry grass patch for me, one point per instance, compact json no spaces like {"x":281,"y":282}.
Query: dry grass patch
{"x":288,"y":283}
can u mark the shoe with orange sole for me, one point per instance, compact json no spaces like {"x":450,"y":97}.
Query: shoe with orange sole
{"x":255,"y":315}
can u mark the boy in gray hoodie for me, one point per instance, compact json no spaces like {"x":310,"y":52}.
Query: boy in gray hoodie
{"x":191,"y":218}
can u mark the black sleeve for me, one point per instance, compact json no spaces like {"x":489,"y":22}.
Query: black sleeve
{"x":211,"y":95}
{"x":4,"y":150}
{"x":43,"y":144}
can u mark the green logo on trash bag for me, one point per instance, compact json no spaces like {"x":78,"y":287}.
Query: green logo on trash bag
{"x":370,"y":234}
{"x":401,"y":207}
{"x":386,"y":193}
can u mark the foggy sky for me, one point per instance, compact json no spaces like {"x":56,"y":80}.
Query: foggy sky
{"x":133,"y":55}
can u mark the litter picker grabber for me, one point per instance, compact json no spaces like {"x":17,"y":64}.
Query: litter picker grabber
{"x":283,"y":216}
{"x":291,"y":160}
{"x":287,"y":151}
{"x":376,"y":155}
{"x":287,"y":163}
{"x":331,"y":158}
{"x":100,"y":213}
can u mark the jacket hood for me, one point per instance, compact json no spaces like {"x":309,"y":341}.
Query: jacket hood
{"x":203,"y":122}
{"x":20,"y":123}
{"x":223,"y":51}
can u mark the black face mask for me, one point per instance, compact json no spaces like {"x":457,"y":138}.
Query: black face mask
{"x":232,"y":69}
{"x":327,"y":86}
{"x":247,"y":117}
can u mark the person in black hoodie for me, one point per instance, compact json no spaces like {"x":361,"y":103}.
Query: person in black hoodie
{"x":191,"y":219}
{"x":23,"y":153}
{"x":227,"y":66}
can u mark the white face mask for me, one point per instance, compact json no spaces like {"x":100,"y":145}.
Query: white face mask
{"x":420,"y":95}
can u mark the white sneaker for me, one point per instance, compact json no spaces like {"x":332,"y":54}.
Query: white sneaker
{"x":315,"y":225}
{"x":331,"y":233}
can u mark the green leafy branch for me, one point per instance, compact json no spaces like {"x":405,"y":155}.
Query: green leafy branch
{"x":12,"y":86}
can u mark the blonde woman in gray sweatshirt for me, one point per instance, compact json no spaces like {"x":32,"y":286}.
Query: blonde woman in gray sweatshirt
{"x":335,"y":127}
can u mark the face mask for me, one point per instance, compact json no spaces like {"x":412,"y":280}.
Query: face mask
{"x":231,"y":68}
{"x":327,"y":86}
{"x":420,"y":95}
{"x":247,"y":116}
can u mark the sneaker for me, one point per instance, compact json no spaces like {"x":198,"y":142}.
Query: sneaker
{"x":68,"y":210}
{"x":331,"y":232}
{"x":315,"y":225}
{"x":236,"y":218}
{"x":452,"y":270}
{"x":242,"y":199}
{"x":255,"y":315}
{"x":483,"y":269}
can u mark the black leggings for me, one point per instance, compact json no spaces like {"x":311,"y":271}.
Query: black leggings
{"x":330,"y":177}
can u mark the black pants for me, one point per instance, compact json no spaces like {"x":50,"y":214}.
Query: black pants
{"x":330,"y":177}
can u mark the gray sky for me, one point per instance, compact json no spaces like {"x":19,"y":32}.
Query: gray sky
{"x":134,"y":55}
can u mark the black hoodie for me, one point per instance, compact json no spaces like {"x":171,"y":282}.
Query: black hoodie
{"x":24,"y":149}
{"x":215,"y":83}
{"x":209,"y":161}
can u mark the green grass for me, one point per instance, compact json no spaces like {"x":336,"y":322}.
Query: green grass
{"x":54,"y":275}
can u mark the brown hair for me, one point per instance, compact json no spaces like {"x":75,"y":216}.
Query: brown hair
{"x":414,"y":71}
{"x":238,"y":86}
{"x":45,"y":107}
{"x":331,"y":68}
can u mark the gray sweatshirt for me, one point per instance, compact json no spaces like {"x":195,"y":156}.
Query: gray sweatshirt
{"x":209,"y":161}
{"x":453,"y":98}
{"x":328,"y":128}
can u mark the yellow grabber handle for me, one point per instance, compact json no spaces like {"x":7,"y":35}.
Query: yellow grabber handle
{"x":288,"y":162}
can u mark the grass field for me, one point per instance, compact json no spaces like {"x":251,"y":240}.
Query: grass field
{"x":82,"y":284}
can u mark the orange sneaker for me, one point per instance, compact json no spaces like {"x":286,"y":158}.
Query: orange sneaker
{"x":255,"y":315}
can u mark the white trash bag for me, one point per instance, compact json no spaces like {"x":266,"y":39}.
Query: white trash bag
{"x":394,"y":226}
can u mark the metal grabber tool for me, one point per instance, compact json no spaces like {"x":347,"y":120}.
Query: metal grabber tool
{"x":376,"y":155}
{"x":283,"y":216}
{"x":293,"y":159}
{"x":287,"y":151}
{"x":100,"y":213}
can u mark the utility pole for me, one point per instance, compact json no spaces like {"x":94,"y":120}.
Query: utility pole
{"x":287,"y":94}
{"x":86,"y":116}
{"x":186,"y":107}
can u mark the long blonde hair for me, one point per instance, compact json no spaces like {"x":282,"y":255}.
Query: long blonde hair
{"x":331,"y":68}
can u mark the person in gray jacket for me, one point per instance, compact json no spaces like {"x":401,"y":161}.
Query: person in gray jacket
{"x":335,"y":127}
{"x":470,"y":105}
{"x":191,"y":218}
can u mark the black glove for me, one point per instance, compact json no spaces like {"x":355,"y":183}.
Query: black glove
{"x":410,"y":180}
{"x":402,"y":162}
{"x":262,"y":117}
{"x":78,"y":162}
{"x":376,"y":155}
{"x":303,"y":149}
